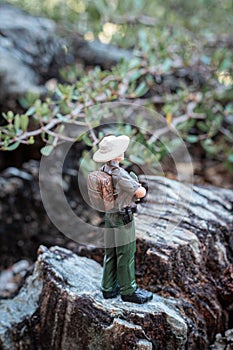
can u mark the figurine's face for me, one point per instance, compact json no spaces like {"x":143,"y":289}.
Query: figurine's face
{"x":120,"y":158}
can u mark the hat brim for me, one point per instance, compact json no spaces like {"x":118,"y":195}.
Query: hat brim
{"x":121,"y":145}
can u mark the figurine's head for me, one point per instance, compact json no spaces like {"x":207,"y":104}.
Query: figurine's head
{"x":111,"y":147}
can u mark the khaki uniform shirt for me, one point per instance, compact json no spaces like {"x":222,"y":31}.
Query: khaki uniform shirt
{"x":124,"y":185}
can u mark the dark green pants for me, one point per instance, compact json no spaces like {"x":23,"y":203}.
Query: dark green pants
{"x":120,"y":248}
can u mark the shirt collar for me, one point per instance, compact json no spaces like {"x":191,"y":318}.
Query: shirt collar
{"x":113,"y":163}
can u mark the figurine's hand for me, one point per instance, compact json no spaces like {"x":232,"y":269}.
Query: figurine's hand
{"x":144,"y":183}
{"x":140,"y":192}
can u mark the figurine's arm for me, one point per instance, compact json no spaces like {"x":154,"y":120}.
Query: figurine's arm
{"x":141,"y":191}
{"x":130,"y":185}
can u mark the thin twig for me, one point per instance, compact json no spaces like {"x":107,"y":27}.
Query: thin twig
{"x":226,"y":132}
{"x":46,"y":129}
{"x":173,"y":124}
{"x":93,"y":136}
{"x":60,"y":136}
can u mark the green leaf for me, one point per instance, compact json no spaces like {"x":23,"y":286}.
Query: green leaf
{"x":13,"y":146}
{"x":208,"y":142}
{"x":30,"y":111}
{"x":24,"y":122}
{"x":209,"y":146}
{"x":8,"y":116}
{"x":6,"y":142}
{"x":108,"y":92}
{"x":23,"y":102}
{"x":135,"y":75}
{"x":202,"y":126}
{"x":218,"y":121}
{"x":225,"y":64}
{"x":128,"y":129}
{"x":46,"y":150}
{"x":64,"y":107}
{"x":192,"y":138}
{"x":141,"y":89}
{"x":134,"y":62}
{"x":230,"y":158}
{"x":50,"y":138}
{"x":100,"y":135}
{"x":87,"y":165}
{"x":166,"y":65}
{"x":44,"y":110}
{"x":87,"y":140}
{"x":61,"y":128}
{"x":17,"y":122}
{"x":61,"y":117}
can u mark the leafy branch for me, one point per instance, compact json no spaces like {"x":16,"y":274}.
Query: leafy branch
{"x":199,"y":115}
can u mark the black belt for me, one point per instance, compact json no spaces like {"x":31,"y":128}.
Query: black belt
{"x":126,"y":213}
{"x":129,"y":209}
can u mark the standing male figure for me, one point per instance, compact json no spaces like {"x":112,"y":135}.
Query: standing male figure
{"x":120,"y":238}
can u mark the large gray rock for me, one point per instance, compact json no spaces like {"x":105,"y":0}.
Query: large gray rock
{"x":28,"y":50}
{"x":61,"y":307}
{"x":31,"y":52}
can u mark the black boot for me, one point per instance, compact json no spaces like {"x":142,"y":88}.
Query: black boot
{"x":113,"y":294}
{"x":140,"y":296}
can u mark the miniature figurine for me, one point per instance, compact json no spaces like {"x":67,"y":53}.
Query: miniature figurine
{"x":120,"y":239}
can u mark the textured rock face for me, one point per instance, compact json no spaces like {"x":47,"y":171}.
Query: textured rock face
{"x":185,"y":252}
{"x":31,"y":52}
{"x":61,"y":307}
{"x":190,"y":265}
{"x":24,"y":223}
{"x":188,"y":262}
{"x":28,"y":47}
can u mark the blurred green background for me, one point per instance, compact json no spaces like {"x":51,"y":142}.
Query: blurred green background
{"x":190,"y":42}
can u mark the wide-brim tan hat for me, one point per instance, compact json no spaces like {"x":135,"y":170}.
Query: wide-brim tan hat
{"x":111,"y":147}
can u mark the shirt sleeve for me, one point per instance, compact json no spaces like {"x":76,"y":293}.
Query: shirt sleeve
{"x":127,"y":183}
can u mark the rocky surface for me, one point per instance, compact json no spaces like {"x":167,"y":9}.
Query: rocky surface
{"x":31,"y":52}
{"x":24,"y":222}
{"x":185,"y":251}
{"x":223,"y":342}
{"x":184,"y":246}
{"x":11,"y":278}
{"x":188,"y":260}
{"x":28,"y":51}
{"x":61,"y":307}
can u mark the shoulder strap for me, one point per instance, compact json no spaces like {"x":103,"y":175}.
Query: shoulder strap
{"x":114,"y":178}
